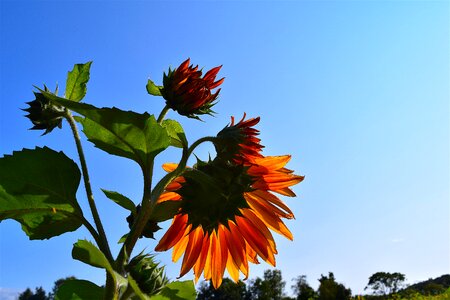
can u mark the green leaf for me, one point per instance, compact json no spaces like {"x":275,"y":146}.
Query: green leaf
{"x":76,"y":81}
{"x":37,"y":189}
{"x":88,"y":253}
{"x":120,"y":199}
{"x":123,"y":133}
{"x":177,"y":290}
{"x":176,"y":133}
{"x":133,"y":284}
{"x":122,"y":239}
{"x":165,"y":210}
{"x":153,"y":89}
{"x":79,"y":290}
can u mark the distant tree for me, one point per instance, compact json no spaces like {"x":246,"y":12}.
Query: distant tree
{"x":25,"y":295}
{"x":57,"y":284}
{"x":271,"y":287}
{"x":227,"y":290}
{"x":39,"y":294}
{"x":329,"y":289}
{"x":384,"y":283}
{"x":433,"y":288}
{"x":302,"y":290}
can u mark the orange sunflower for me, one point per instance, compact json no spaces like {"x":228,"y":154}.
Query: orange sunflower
{"x":227,"y":208}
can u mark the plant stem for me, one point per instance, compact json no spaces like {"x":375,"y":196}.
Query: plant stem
{"x":101,"y":241}
{"x":163,"y":114}
{"x":149,"y":200}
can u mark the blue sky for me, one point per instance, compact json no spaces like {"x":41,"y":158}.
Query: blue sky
{"x":357,"y":92}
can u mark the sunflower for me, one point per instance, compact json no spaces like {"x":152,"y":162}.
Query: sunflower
{"x":228,"y":209}
{"x":239,"y":142}
{"x":187,"y":92}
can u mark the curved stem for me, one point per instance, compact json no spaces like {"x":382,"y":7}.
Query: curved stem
{"x":149,"y":200}
{"x":101,"y":241}
{"x":163,"y":114}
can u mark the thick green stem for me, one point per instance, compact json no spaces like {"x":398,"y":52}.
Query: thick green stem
{"x":101,"y":239}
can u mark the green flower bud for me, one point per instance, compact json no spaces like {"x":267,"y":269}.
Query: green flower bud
{"x":147,"y":273}
{"x":43,"y":114}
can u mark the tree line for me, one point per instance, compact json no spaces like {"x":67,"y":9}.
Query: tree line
{"x":381,"y":285}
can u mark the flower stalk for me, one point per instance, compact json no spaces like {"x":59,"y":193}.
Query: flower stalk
{"x":101,"y":238}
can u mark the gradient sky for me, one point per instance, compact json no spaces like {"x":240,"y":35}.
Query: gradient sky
{"x":357,"y":92}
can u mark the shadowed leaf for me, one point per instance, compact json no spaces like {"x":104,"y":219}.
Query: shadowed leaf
{"x":79,"y":290}
{"x":37,"y":189}
{"x":123,"y":133}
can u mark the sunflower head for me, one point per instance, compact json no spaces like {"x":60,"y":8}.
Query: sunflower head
{"x":43,"y":114}
{"x":188,"y":93}
{"x":239,"y":142}
{"x":149,"y":276}
{"x":213,"y":193}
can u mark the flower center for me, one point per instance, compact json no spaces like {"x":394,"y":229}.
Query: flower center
{"x":214,"y":192}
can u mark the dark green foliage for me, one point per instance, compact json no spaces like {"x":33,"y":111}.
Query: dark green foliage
{"x":150,"y":228}
{"x":37,"y":189}
{"x":431,"y":286}
{"x":57,"y":285}
{"x":123,"y":133}
{"x":384,"y":283}
{"x":228,"y":290}
{"x":80,"y":290}
{"x":302,"y":290}
{"x":88,"y":253}
{"x":329,"y":289}
{"x":271,"y":287}
{"x":39,"y":294}
{"x":177,"y":290}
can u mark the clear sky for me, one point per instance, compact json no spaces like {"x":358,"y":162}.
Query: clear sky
{"x":357,"y":92}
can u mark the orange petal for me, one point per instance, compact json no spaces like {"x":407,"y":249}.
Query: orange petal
{"x":232,"y":269}
{"x":236,"y":246}
{"x":193,"y":250}
{"x":262,"y":228}
{"x":169,"y":167}
{"x":200,"y":263}
{"x":174,"y":233}
{"x":251,"y":254}
{"x":262,"y":165}
{"x":179,"y":248}
{"x":168,"y":196}
{"x":208,"y":264}
{"x":273,"y":199}
{"x":271,"y":220}
{"x":255,"y":239}
{"x":253,"y":200}
{"x":218,"y":260}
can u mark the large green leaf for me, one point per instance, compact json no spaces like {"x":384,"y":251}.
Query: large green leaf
{"x":76,"y":82}
{"x":153,"y":89}
{"x":177,"y":290}
{"x":120,"y":199}
{"x":37,"y":189}
{"x":79,"y":290}
{"x":123,"y":133}
{"x":176,"y":133}
{"x":88,"y":253}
